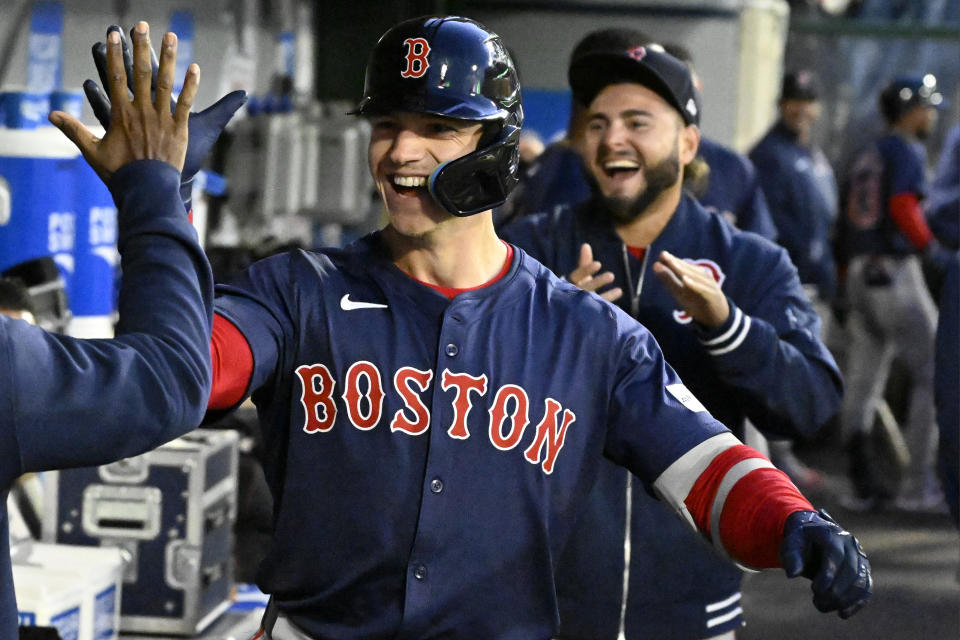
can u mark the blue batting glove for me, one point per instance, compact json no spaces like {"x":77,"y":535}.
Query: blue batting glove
{"x":816,"y":547}
{"x":203,"y":128}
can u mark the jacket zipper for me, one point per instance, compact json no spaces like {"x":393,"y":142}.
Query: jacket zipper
{"x":628,"y":528}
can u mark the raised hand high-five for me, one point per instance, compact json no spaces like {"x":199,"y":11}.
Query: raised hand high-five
{"x":143,"y":127}
{"x":205,"y":126}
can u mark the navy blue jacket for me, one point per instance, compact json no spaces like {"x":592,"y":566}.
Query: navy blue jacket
{"x":801,"y":190}
{"x":943,"y":205}
{"x":946,"y":387}
{"x":66,"y":402}
{"x":733,"y":190}
{"x":767,"y":362}
{"x":426,"y":455}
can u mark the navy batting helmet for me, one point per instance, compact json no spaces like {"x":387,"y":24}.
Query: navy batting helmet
{"x":455,"y":67}
{"x":904,"y":93}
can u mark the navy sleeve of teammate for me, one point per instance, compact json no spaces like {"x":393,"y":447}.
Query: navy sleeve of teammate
{"x":154,"y":376}
{"x":772,"y":353}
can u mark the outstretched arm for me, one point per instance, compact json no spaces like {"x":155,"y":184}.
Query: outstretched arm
{"x":753,"y":514}
{"x":730,"y":493}
{"x":69,"y":402}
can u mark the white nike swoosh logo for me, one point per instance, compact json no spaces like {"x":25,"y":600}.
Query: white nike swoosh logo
{"x":349,"y":305}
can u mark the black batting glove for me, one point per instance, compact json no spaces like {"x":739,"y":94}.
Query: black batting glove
{"x":203,"y":128}
{"x":816,"y":547}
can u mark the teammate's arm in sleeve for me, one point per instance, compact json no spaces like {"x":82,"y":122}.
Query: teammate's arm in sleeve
{"x":907,"y":175}
{"x":69,"y":402}
{"x":907,"y":213}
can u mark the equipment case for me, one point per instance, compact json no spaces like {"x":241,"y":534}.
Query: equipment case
{"x":172,"y":511}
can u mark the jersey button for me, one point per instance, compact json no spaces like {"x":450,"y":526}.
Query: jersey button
{"x":451,"y":350}
{"x":436,"y":485}
{"x":420,"y":573}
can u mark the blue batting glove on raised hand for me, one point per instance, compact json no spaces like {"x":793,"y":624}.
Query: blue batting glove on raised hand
{"x":816,"y":547}
{"x":203,"y":128}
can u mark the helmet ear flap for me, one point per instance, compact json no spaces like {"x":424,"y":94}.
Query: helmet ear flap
{"x":479,"y":180}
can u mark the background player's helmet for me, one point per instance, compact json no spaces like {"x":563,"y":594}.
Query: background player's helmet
{"x":904,"y":93}
{"x":454,"y":67}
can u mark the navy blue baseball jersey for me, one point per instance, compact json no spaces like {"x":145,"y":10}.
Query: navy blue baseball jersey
{"x":733,"y":190}
{"x":66,"y":402}
{"x":767,"y":362}
{"x":800,"y":187}
{"x":428,"y":456}
{"x":893,"y":165}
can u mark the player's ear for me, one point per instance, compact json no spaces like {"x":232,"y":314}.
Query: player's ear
{"x":689,"y":143}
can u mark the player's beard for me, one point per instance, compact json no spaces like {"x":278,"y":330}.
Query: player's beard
{"x":659,"y":177}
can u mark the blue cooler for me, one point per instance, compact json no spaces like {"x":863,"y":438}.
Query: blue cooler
{"x":68,"y":100}
{"x":37,"y":171}
{"x":24,"y":109}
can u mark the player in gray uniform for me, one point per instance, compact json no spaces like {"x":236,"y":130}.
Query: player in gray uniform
{"x":884,"y":236}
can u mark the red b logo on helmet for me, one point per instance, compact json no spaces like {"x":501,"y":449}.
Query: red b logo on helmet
{"x":417,"y":64}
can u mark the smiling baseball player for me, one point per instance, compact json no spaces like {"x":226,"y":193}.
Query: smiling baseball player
{"x":435,"y":404}
{"x":727,"y":309}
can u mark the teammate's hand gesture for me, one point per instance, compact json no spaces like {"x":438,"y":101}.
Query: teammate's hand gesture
{"x":141,"y":128}
{"x":584,"y":276}
{"x":694,"y":289}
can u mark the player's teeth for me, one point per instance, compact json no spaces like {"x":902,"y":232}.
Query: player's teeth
{"x":410,"y":181}
{"x":621,"y":164}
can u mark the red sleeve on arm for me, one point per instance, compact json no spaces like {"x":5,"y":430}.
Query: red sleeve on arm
{"x":908,"y":216}
{"x":232,"y":364}
{"x":754,"y":512}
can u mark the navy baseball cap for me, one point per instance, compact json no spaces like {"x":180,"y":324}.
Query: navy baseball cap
{"x":800,"y":85}
{"x":647,"y":65}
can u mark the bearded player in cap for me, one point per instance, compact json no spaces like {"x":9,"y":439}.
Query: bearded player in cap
{"x":435,"y":404}
{"x":729,"y":313}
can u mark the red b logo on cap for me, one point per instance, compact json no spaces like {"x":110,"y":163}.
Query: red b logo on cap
{"x":417,"y":63}
{"x":637,"y":53}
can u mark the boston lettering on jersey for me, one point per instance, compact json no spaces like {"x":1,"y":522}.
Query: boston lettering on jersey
{"x":364,"y":393}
